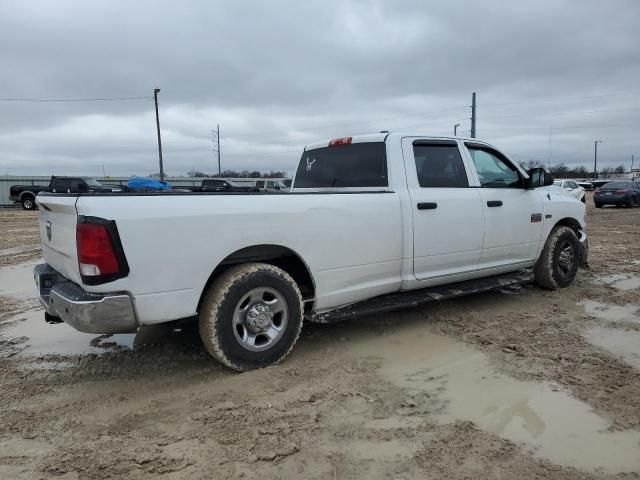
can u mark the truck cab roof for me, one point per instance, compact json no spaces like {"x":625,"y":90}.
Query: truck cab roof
{"x":383,"y":136}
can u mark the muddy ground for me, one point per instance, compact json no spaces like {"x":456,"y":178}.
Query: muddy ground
{"x":523,"y":383}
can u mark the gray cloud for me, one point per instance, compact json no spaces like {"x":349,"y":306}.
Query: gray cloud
{"x":271,"y":72}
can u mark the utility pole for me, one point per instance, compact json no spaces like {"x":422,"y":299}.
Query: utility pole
{"x":216,"y":145}
{"x":155,"y":97}
{"x":473,"y":115}
{"x":455,"y":129}
{"x":595,"y":158}
{"x":550,"y":133}
{"x":632,"y":165}
{"x":218,"y":137}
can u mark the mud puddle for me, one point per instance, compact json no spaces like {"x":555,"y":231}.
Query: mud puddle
{"x":621,"y":343}
{"x":621,"y":281}
{"x":17,"y":280}
{"x":455,"y":382}
{"x":28,"y":334}
{"x":613,"y":313}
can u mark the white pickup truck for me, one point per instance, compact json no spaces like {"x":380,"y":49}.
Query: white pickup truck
{"x":373,"y":222}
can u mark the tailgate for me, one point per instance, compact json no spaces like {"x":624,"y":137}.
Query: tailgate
{"x":58,"y":219}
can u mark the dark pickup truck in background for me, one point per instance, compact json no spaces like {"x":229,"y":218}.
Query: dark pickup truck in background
{"x":219,"y":185}
{"x":26,"y":194}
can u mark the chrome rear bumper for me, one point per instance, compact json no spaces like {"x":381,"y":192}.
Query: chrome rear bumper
{"x":84,"y":311}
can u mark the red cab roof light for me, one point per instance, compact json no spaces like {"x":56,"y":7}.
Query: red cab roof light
{"x":340,"y":141}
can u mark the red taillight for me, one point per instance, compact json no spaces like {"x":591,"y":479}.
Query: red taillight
{"x":340,"y":141}
{"x":622,"y":191}
{"x":96,"y":255}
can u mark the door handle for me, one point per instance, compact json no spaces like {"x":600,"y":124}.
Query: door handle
{"x":494,"y":203}
{"x":427,"y":206}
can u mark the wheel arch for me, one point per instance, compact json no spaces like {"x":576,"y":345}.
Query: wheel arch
{"x":568,"y":222}
{"x":276,"y":255}
{"x":26,"y":193}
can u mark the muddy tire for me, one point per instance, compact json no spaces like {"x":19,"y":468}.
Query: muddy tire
{"x":251,"y":316}
{"x":558,"y":264}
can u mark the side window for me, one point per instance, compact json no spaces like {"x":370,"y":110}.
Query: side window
{"x":77,"y":185}
{"x":270,"y":185}
{"x":439,"y":165}
{"x":493,"y":171}
{"x":260,"y":184}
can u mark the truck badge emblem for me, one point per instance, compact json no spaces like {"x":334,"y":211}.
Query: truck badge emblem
{"x":48,"y":228}
{"x":310,"y":164}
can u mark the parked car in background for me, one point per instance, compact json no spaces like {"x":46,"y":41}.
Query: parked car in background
{"x":373,"y":223}
{"x":618,"y":193}
{"x":219,"y":185}
{"x":271,"y":186}
{"x":571,"y":187}
{"x":588,"y":186}
{"x":26,"y":194}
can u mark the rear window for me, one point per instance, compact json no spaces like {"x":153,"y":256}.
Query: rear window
{"x":212,"y":183}
{"x":615,"y":185}
{"x":353,"y":165}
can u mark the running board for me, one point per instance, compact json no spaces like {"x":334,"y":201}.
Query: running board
{"x":414,"y":298}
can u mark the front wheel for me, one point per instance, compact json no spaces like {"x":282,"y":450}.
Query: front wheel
{"x":558,"y":264}
{"x":598,"y":205}
{"x":251,"y":316}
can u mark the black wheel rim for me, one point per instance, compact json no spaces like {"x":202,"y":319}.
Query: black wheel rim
{"x":566,"y":258}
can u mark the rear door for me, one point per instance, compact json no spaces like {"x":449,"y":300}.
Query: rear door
{"x":513,"y":214}
{"x":448,"y":221}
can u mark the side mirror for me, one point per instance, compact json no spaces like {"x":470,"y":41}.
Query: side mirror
{"x":539,"y":177}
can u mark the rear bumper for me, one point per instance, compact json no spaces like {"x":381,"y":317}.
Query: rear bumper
{"x":84,"y":311}
{"x":612,"y":199}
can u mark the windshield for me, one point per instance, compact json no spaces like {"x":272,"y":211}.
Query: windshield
{"x":92,"y":182}
{"x":616,"y":185}
{"x":352,"y":165}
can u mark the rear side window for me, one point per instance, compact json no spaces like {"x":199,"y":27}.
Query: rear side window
{"x":439,"y":165}
{"x":352,"y":165}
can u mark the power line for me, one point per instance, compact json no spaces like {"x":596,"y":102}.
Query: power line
{"x":526,"y":129}
{"x":62,"y":100}
{"x":563,"y":113}
{"x":359,"y":122}
{"x":562,"y":99}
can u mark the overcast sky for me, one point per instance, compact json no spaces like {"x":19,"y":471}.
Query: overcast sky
{"x":276,"y":75}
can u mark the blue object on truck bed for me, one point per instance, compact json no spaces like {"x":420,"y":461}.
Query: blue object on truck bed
{"x":148,"y":184}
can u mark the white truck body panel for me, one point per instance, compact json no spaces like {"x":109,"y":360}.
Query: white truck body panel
{"x":357,"y":243}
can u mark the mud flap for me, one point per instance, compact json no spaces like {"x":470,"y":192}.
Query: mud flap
{"x":584,"y":255}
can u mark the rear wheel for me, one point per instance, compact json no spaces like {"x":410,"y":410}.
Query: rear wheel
{"x":28,"y":202}
{"x":598,"y":205}
{"x":558,"y":264}
{"x":251,"y":316}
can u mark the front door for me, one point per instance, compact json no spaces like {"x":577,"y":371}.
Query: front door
{"x":448,"y":219}
{"x":513,"y":214}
